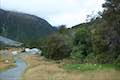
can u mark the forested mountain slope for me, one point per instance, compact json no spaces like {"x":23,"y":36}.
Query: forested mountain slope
{"x":23,"y":27}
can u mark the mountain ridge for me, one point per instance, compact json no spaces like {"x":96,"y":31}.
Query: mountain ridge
{"x":23,"y":27}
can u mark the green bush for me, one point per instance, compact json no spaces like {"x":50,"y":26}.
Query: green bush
{"x":91,"y":58}
{"x":56,"y":48}
{"x":104,"y":58}
{"x":81,"y":45}
{"x":117,"y":61}
{"x":77,"y":55}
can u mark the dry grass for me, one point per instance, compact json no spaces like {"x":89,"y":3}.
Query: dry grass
{"x":5,"y":66}
{"x":40,"y":69}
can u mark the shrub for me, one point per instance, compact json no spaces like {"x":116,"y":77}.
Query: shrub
{"x":81,"y":44}
{"x":91,"y":58}
{"x":104,"y":58}
{"x":56,"y":48}
{"x":117,"y":61}
{"x":77,"y":55}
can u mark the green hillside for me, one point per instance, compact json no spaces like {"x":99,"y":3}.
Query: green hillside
{"x":97,"y":41}
{"x":23,"y":27}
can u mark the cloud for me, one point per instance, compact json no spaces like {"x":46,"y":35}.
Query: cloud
{"x":67,"y":18}
{"x":57,"y":12}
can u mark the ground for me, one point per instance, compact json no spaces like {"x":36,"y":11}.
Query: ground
{"x":7,"y":61}
{"x":42,"y":69}
{"x":6,"y":65}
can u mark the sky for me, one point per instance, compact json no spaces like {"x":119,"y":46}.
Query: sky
{"x":56,"y":12}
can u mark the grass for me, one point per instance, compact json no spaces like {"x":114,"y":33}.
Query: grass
{"x":40,"y":69}
{"x":4,"y":67}
{"x":90,"y":67}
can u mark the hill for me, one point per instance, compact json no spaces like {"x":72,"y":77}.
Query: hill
{"x":23,"y":27}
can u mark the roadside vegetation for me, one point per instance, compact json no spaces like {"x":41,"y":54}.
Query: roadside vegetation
{"x":41,"y":68}
{"x":95,"y":42}
{"x":90,"y":67}
{"x":6,"y":65}
{"x":88,"y":51}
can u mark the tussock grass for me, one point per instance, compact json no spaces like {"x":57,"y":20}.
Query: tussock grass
{"x":41,"y":69}
{"x":4,"y":67}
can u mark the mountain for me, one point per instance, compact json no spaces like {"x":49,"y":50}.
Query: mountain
{"x":8,"y":42}
{"x":23,"y":27}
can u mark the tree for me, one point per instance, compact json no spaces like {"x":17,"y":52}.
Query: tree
{"x":81,"y":44}
{"x":100,"y":46}
{"x":56,"y":48}
{"x":0,"y":30}
{"x":112,"y":11}
{"x":111,"y":15}
{"x":62,"y":29}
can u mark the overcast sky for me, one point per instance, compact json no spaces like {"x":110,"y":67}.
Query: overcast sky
{"x":56,"y":12}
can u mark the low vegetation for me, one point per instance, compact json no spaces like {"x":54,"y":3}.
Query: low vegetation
{"x":90,"y":67}
{"x":93,"y":49}
{"x":41,"y":68}
{"x":95,"y":42}
{"x":4,"y":66}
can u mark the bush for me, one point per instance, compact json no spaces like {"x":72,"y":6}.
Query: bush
{"x":91,"y":58}
{"x":104,"y":58}
{"x":118,"y":60}
{"x":77,"y":55}
{"x":81,"y":44}
{"x":56,"y":48}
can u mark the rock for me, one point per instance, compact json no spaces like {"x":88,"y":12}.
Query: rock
{"x":6,"y":61}
{"x":33,"y":51}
